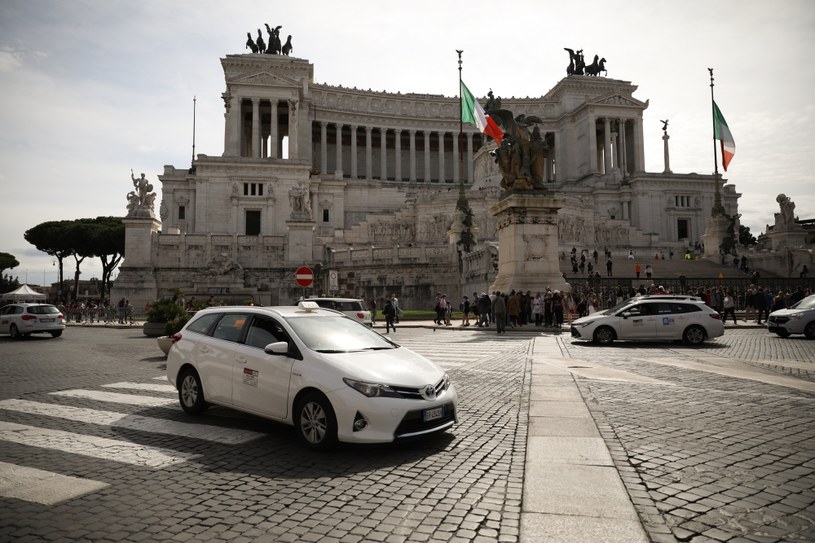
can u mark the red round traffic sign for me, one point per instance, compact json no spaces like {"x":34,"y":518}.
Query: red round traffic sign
{"x":304,"y":276}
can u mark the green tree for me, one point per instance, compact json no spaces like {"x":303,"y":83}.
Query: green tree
{"x":49,"y":237}
{"x":108,"y":241}
{"x":745,"y":237}
{"x":7,"y":262}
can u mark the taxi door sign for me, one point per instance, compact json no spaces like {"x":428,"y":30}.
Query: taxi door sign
{"x":250,"y":377}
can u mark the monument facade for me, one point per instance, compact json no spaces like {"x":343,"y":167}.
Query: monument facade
{"x":365,"y":183}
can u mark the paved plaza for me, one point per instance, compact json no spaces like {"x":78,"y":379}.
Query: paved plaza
{"x":557,"y":441}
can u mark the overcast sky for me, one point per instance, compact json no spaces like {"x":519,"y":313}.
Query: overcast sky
{"x":94,"y":88}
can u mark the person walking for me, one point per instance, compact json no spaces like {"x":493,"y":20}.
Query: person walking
{"x":464,"y":306}
{"x":390,"y":314}
{"x":513,"y":309}
{"x":499,"y":308}
{"x":637,"y":270}
{"x":484,"y":310}
{"x":609,"y":265}
{"x":729,"y":307}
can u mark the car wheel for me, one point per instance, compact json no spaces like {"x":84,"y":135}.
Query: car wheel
{"x":56,"y":333}
{"x":315,"y":422}
{"x":783,"y":333}
{"x":694,"y":335}
{"x":604,"y":335}
{"x":809,"y":331}
{"x":191,"y":393}
{"x":14,"y":332}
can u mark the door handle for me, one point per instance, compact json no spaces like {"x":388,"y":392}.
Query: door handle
{"x":241,"y":360}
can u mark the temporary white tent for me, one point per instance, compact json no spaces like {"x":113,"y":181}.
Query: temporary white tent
{"x":23,"y":294}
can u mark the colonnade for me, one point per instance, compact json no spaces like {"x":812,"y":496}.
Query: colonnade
{"x":256,"y":127}
{"x":430,"y":156}
{"x":616,"y":153}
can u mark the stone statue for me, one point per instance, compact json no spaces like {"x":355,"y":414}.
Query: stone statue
{"x":222,"y":264}
{"x":274,"y":39}
{"x":787,"y":216}
{"x":728,"y":244}
{"x":141,"y":202}
{"x":521,"y":155}
{"x":493,"y":103}
{"x":250,"y":43}
{"x":300,"y":202}
{"x":664,"y":125}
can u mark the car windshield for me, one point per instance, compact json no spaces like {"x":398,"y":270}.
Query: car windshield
{"x":42,"y":309}
{"x":329,"y":334}
{"x":806,"y":303}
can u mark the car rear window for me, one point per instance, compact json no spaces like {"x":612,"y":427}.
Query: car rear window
{"x":202,"y":324}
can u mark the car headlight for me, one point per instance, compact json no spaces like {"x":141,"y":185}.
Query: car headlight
{"x":446,"y":382}
{"x":795,"y":316}
{"x":372,"y":390}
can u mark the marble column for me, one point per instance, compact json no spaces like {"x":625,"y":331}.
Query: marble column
{"x":623,"y":151}
{"x":233,"y":133}
{"x":592,"y":133}
{"x":639,"y":151}
{"x":397,"y":158}
{"x":665,"y":138}
{"x":383,"y":154}
{"x":456,"y":172}
{"x":412,"y":155}
{"x":607,"y":145}
{"x":338,"y":166}
{"x":255,"y":128}
{"x":273,"y":133}
{"x":427,"y":175}
{"x":323,"y":147}
{"x":354,"y":151}
{"x":368,"y":153}
{"x":469,"y":157}
{"x":441,"y":156}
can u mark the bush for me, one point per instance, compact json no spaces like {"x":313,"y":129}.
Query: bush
{"x":164,"y":310}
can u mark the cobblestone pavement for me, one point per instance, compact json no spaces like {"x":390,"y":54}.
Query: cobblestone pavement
{"x":78,"y":406}
{"x":716,"y":451}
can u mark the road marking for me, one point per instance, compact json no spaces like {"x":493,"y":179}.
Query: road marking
{"x":43,"y":487}
{"x":112,"y":397}
{"x":147,"y":387}
{"x":207,"y":432}
{"x":96,"y":447}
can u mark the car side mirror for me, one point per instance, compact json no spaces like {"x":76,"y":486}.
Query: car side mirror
{"x":278,"y":347}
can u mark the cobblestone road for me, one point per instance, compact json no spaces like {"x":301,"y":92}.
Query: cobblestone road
{"x":715,"y":452}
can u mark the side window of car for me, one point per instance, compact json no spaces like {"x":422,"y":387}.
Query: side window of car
{"x":263,"y":331}
{"x":230,"y":327}
{"x":202,"y":324}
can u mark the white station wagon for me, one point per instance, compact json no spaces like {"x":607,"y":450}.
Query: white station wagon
{"x":329,"y":376}
{"x":652,"y":318}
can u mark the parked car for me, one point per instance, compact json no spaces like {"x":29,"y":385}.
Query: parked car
{"x":20,"y":320}
{"x":799,"y":318}
{"x":329,"y":376}
{"x":350,"y":306}
{"x":654,"y":317}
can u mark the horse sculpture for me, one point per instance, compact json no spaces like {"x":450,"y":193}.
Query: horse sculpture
{"x":287,"y":48}
{"x":520,"y":155}
{"x":250,"y":43}
{"x":596,"y":67}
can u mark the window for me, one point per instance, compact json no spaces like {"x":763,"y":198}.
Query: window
{"x":182,"y":213}
{"x":682,"y":229}
{"x":230,"y":326}
{"x":325,"y":215}
{"x":203,"y":324}
{"x":263,"y":331}
{"x":682,"y":201}
{"x":253,"y":189}
{"x":252,"y":222}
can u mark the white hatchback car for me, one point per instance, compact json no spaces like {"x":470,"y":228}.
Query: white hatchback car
{"x":20,"y":320}
{"x":655,"y":317}
{"x":330,"y":377}
{"x":797,"y":319}
{"x":352,"y":307}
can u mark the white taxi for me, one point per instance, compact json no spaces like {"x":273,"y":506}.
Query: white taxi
{"x":652,"y":318}
{"x":329,"y":376}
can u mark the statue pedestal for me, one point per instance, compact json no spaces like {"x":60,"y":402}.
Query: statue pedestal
{"x":137,"y":279}
{"x":528,"y":243}
{"x":714,"y":235}
{"x":787,"y":237}
{"x":300,"y":242}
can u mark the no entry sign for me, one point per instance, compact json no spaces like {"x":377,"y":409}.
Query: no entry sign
{"x":304,"y":276}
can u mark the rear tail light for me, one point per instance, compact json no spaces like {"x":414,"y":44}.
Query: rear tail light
{"x":360,"y":315}
{"x":176,"y":337}
{"x":716,"y":316}
{"x":28,"y":318}
{"x":61,"y":316}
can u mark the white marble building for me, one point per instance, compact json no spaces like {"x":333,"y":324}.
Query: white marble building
{"x":365,"y":184}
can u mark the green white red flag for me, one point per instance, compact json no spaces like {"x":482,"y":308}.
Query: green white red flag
{"x":722,"y":133}
{"x":473,"y":113}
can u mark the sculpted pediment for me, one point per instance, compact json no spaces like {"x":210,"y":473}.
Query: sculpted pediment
{"x":619,"y":100}
{"x":265,"y":79}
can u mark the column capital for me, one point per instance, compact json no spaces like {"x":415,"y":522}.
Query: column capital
{"x":369,"y":129}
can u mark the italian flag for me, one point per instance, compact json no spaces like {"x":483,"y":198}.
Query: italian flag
{"x":722,"y":133}
{"x":473,"y":113}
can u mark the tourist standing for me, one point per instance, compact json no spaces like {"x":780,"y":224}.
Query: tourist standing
{"x":729,"y":307}
{"x":499,"y":309}
{"x":390,"y":314}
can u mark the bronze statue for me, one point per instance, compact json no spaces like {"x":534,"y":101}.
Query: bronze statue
{"x":521,"y":155}
{"x":577,"y":64}
{"x":260,"y":43}
{"x":664,"y":125}
{"x":596,"y":67}
{"x":493,"y":103}
{"x":274,"y":39}
{"x":250,"y":43}
{"x":287,"y":48}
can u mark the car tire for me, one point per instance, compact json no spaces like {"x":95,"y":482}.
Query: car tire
{"x":603,"y":335}
{"x":315,"y":422}
{"x":809,"y":331}
{"x":783,"y":333}
{"x":191,"y":393}
{"x":56,"y":333}
{"x":694,"y":335}
{"x":14,"y":332}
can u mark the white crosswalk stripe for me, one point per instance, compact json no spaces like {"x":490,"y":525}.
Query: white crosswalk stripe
{"x":48,"y":488}
{"x":206,"y":432}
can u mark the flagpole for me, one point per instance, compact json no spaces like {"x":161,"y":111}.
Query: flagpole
{"x":717,"y":198}
{"x":460,"y":122}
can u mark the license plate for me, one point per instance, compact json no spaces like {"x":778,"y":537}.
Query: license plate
{"x":46,"y":320}
{"x":433,"y":414}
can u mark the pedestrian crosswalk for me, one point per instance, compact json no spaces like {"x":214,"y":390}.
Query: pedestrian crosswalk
{"x":29,"y":484}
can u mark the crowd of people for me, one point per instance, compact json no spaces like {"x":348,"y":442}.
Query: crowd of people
{"x":97,"y":311}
